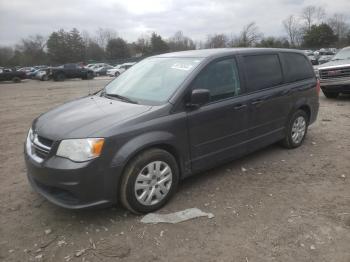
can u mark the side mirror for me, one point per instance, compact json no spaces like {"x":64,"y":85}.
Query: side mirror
{"x":199,"y":97}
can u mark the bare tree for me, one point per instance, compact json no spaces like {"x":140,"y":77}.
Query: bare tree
{"x":312,"y":14}
{"x":216,"y":41}
{"x":143,"y":45}
{"x":338,"y":24}
{"x":6,"y":53}
{"x":249,"y":36}
{"x":104,"y":35}
{"x":180,"y":42}
{"x":293,"y":30}
{"x":32,"y":50}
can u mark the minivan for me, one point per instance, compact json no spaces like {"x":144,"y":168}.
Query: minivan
{"x":166,"y":118}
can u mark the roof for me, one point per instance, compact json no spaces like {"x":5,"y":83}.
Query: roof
{"x":205,"y":53}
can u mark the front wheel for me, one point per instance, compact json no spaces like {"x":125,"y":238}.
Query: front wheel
{"x":296,"y":129}
{"x":117,"y":74}
{"x":149,"y":181}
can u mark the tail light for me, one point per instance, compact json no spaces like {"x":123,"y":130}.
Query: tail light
{"x":318,"y":86}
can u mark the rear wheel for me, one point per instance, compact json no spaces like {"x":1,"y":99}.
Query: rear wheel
{"x":90,"y":75}
{"x":117,"y":74}
{"x":329,"y":94}
{"x":296,"y":129}
{"x":44,"y":78}
{"x":149,"y":181}
{"x":16,"y":79}
{"x":60,"y":77}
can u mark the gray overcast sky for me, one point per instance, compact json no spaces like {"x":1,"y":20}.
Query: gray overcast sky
{"x":131,"y":18}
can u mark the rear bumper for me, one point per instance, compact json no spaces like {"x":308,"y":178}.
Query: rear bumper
{"x":73,"y":185}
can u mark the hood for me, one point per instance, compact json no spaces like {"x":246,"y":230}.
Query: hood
{"x":84,"y":117}
{"x":334,"y":64}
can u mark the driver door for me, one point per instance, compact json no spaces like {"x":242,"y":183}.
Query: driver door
{"x":218,"y":130}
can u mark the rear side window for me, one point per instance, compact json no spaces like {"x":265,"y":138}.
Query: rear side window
{"x":262,"y":71}
{"x":297,"y":67}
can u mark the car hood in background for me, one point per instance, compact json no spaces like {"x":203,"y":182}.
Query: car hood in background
{"x":334,"y":64}
{"x":84,"y":117}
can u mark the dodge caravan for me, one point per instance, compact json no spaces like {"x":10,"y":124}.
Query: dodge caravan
{"x":166,"y":118}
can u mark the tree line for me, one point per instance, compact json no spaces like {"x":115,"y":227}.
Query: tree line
{"x":312,"y":28}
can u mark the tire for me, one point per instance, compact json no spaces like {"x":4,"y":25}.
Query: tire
{"x":60,"y":77}
{"x":156,"y":193}
{"x":16,"y":79}
{"x":44,"y":78}
{"x":117,"y":74}
{"x":330,"y":94}
{"x":90,"y":76}
{"x":292,"y":140}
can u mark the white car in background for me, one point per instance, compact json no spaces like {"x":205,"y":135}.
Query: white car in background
{"x":101,"y":70}
{"x":119,"y":69}
{"x":42,"y":74}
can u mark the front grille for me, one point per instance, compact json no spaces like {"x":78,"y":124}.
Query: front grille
{"x":39,"y":151}
{"x":41,"y":146}
{"x":335,"y":73}
{"x":45,"y":141}
{"x":38,"y":147}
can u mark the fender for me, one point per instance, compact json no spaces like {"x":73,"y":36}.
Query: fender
{"x":140,"y":143}
{"x":301,"y":102}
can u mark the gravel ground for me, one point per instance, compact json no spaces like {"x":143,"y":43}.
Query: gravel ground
{"x":273,"y":205}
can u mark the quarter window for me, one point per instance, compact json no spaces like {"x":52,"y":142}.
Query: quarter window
{"x":262,"y":71}
{"x":220,"y":78}
{"x":297,"y":67}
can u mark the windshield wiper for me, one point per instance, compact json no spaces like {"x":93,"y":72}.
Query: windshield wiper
{"x":120,"y":97}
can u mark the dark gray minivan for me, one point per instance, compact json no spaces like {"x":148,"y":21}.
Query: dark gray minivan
{"x":167,"y":117}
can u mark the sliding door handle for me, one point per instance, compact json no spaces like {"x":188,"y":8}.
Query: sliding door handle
{"x":239,"y":106}
{"x":257,"y":101}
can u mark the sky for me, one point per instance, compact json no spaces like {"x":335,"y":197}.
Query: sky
{"x":132,"y":18}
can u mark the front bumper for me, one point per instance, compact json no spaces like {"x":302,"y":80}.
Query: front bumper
{"x":73,"y":185}
{"x":344,"y":81}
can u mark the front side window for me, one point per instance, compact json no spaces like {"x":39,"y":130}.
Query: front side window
{"x":262,"y":71}
{"x":153,"y":80}
{"x":220,"y":78}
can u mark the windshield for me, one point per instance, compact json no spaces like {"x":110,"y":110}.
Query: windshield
{"x":342,"y":55}
{"x":153,"y":80}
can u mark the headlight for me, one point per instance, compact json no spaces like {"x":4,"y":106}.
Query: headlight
{"x":80,"y":150}
{"x":317,"y":73}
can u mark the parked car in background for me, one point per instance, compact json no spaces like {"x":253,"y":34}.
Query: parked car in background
{"x":119,"y":69}
{"x":31,"y":74}
{"x":7,"y":74}
{"x":102,"y":70}
{"x":324,"y":59}
{"x":89,"y":66}
{"x":335,"y":75}
{"x":70,"y":71}
{"x":166,"y":118}
{"x":313,"y":59}
{"x":26,"y":69}
{"x":42,"y":74}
